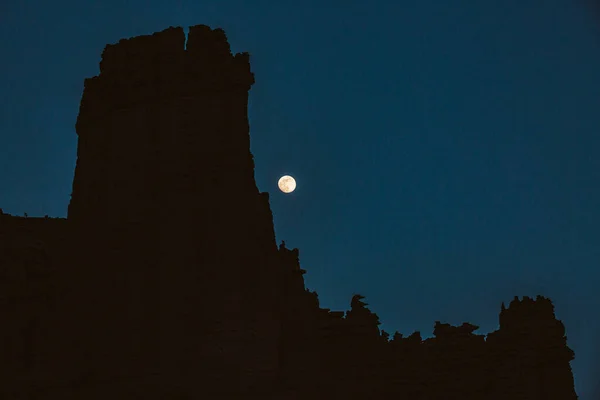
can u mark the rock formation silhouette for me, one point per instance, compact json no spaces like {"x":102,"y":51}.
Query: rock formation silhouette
{"x":165,"y":280}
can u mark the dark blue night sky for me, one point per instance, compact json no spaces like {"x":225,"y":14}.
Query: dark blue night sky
{"x":431,"y":138}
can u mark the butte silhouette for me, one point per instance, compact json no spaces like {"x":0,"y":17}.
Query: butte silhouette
{"x":165,"y":281}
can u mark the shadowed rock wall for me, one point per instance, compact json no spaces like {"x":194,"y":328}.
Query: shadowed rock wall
{"x":164,"y":198}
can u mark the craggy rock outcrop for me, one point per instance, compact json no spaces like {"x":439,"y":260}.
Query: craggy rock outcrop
{"x":349,"y":357}
{"x":165,"y":281}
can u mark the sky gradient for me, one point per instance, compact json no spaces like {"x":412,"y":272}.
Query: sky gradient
{"x":427,"y":139}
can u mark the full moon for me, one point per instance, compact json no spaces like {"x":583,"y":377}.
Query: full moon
{"x":286,"y":184}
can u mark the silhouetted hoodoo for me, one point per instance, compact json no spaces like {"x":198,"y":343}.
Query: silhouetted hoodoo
{"x":165,"y":281}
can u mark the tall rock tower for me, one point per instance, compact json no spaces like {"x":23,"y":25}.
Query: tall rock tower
{"x":176,"y":256}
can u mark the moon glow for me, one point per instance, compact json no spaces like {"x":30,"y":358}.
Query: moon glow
{"x":286,"y":184}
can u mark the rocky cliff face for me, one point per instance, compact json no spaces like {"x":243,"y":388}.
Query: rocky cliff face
{"x":165,"y":200}
{"x":165,"y":281}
